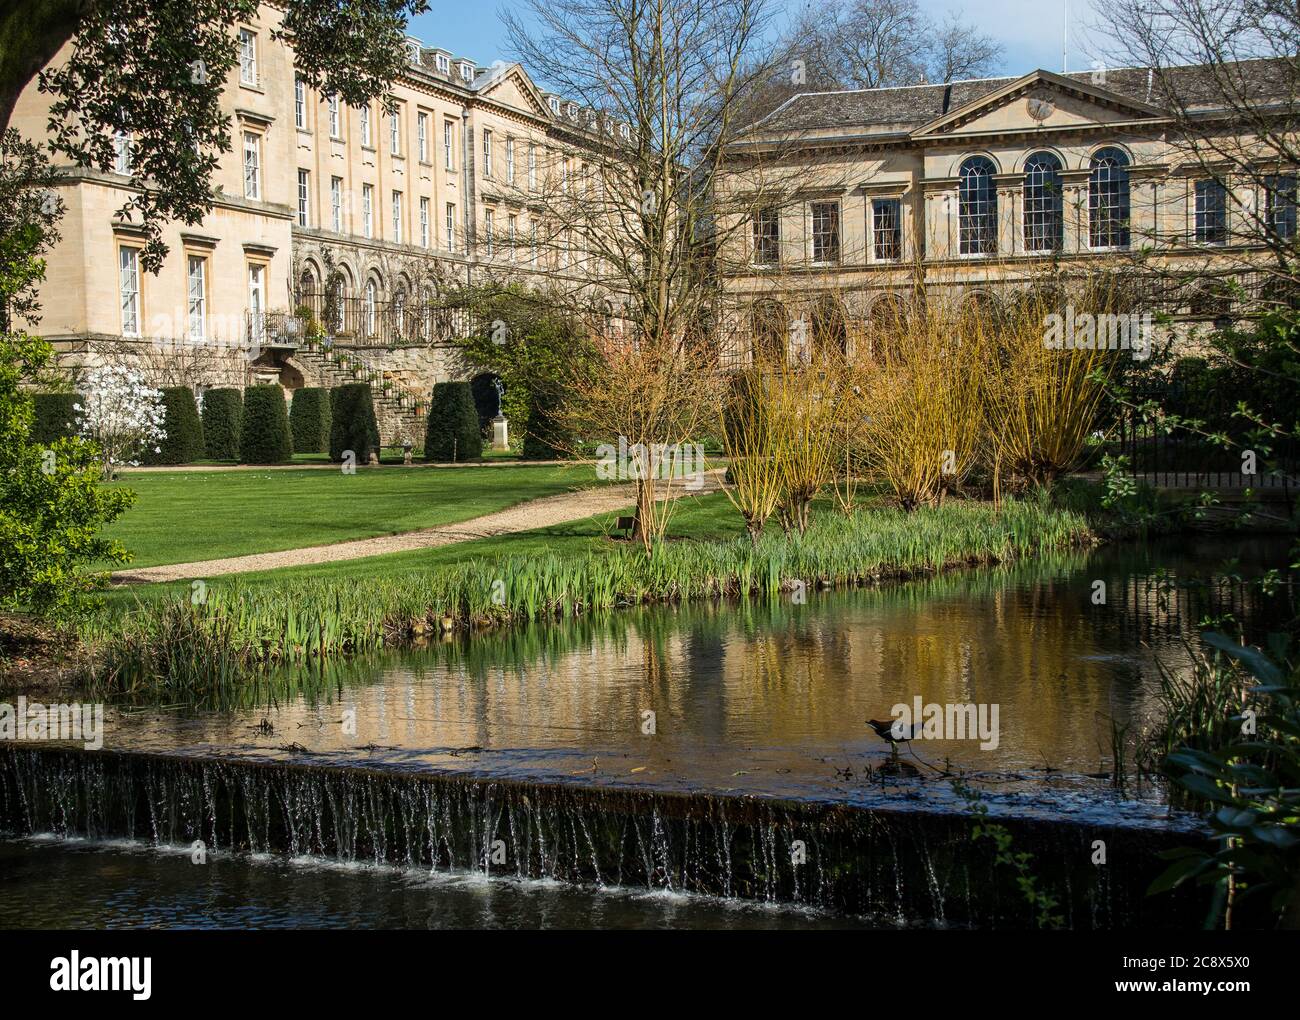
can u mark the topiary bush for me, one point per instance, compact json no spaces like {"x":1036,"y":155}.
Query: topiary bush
{"x":352,"y":422}
{"x":309,"y":417}
{"x":223,"y":410}
{"x":183,"y":443}
{"x":453,"y":432}
{"x":264,"y":436}
{"x":56,"y":416}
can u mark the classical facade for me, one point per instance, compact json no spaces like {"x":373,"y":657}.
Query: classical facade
{"x":972,"y":187}
{"x":359,"y":217}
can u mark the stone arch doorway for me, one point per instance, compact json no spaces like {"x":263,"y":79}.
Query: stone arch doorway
{"x":768,"y":322}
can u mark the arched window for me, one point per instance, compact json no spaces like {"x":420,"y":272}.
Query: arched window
{"x":1108,"y":200}
{"x":1044,"y":222}
{"x":372,"y":305}
{"x":399,"y":310}
{"x":335,"y":312}
{"x":978,"y":207}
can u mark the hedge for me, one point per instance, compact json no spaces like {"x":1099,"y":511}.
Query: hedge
{"x":309,"y":417}
{"x":453,"y":432}
{"x":54,"y":416}
{"x":352,"y":422}
{"x":223,"y":410}
{"x":183,"y":443}
{"x":264,"y":433}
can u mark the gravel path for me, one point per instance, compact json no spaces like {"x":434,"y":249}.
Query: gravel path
{"x":537,"y":513}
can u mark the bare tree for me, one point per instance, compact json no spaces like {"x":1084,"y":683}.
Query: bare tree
{"x":640,"y":199}
{"x":868,"y":44}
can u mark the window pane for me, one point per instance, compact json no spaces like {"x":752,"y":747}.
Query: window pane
{"x":826,"y":231}
{"x":1108,"y":200}
{"x":888,"y":228}
{"x":977,"y":208}
{"x":1211,"y":212}
{"x":1044,"y":220}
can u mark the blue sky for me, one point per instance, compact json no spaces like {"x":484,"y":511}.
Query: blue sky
{"x":1030,"y":30}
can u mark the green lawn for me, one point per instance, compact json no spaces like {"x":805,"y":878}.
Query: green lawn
{"x":198,"y":515}
{"x":702,"y":517}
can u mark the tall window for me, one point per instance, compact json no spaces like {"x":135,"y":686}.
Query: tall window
{"x":128,"y":279}
{"x":487,"y":153}
{"x":364,"y":113}
{"x":513,"y":225}
{"x":422,"y":136}
{"x":304,"y":181}
{"x":336,"y":203}
{"x":887,"y":229}
{"x":247,"y":57}
{"x":825,"y":232}
{"x":395,"y":133}
{"x":449,"y":144}
{"x":336,"y":125}
{"x":532,"y":168}
{"x":397,"y":217}
{"x":1211,"y":212}
{"x":368,"y":210}
{"x":299,"y":103}
{"x":1044,"y":203}
{"x":977,"y":207}
{"x":1108,"y":200}
{"x":196,"y":275}
{"x":372,"y":306}
{"x":256,"y":297}
{"x":532,"y":242}
{"x":510,"y":161}
{"x":1280,"y":206}
{"x":767,"y":237}
{"x":424,"y":223}
{"x":252,"y":166}
{"x":489,"y":229}
{"x":450,"y":226}
{"x":122,"y":153}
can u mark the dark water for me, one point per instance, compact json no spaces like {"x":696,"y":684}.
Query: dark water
{"x":772,"y":698}
{"x":73,"y":884}
{"x":750,"y":701}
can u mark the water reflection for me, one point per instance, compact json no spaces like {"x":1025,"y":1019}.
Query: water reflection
{"x":771,"y":697}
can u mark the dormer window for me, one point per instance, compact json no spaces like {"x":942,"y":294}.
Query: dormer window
{"x":413,"y":51}
{"x":555,"y":106}
{"x":573,"y":111}
{"x":442,"y":62}
{"x":467,"y":71}
{"x":624,"y":132}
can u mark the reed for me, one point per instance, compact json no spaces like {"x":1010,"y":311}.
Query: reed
{"x":175,"y":650}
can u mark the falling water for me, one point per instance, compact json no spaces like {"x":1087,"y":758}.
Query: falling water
{"x":899,"y":866}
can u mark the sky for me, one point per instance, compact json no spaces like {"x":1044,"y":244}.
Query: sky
{"x":1031,"y":31}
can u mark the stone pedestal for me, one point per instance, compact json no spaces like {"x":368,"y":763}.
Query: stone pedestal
{"x":500,"y":433}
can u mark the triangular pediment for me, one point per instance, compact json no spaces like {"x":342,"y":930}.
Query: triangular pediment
{"x":1039,"y":101}
{"x":512,"y":87}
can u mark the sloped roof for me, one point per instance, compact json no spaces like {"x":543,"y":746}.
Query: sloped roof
{"x":911,"y":106}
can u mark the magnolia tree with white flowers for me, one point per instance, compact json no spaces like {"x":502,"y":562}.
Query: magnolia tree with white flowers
{"x":121,"y":414}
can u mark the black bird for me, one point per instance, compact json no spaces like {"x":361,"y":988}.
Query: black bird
{"x":894,"y":731}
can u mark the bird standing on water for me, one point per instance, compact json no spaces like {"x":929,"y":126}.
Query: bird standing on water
{"x":894,"y":731}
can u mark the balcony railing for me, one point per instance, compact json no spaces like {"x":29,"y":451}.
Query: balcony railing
{"x":357,"y":322}
{"x":270,"y":330}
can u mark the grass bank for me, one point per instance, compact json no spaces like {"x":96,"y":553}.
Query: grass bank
{"x":168,"y":647}
{"x":184,"y":516}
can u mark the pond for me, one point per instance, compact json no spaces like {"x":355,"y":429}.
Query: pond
{"x":674,"y":751}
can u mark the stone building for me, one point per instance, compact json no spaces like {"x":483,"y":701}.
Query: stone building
{"x":973,"y":187}
{"x":337,"y":224}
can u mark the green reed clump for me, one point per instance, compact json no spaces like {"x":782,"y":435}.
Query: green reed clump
{"x":177,"y":649}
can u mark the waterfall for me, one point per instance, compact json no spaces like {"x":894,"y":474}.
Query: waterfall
{"x":897,"y":866}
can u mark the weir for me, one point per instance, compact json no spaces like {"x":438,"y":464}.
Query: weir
{"x":904,"y":866}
